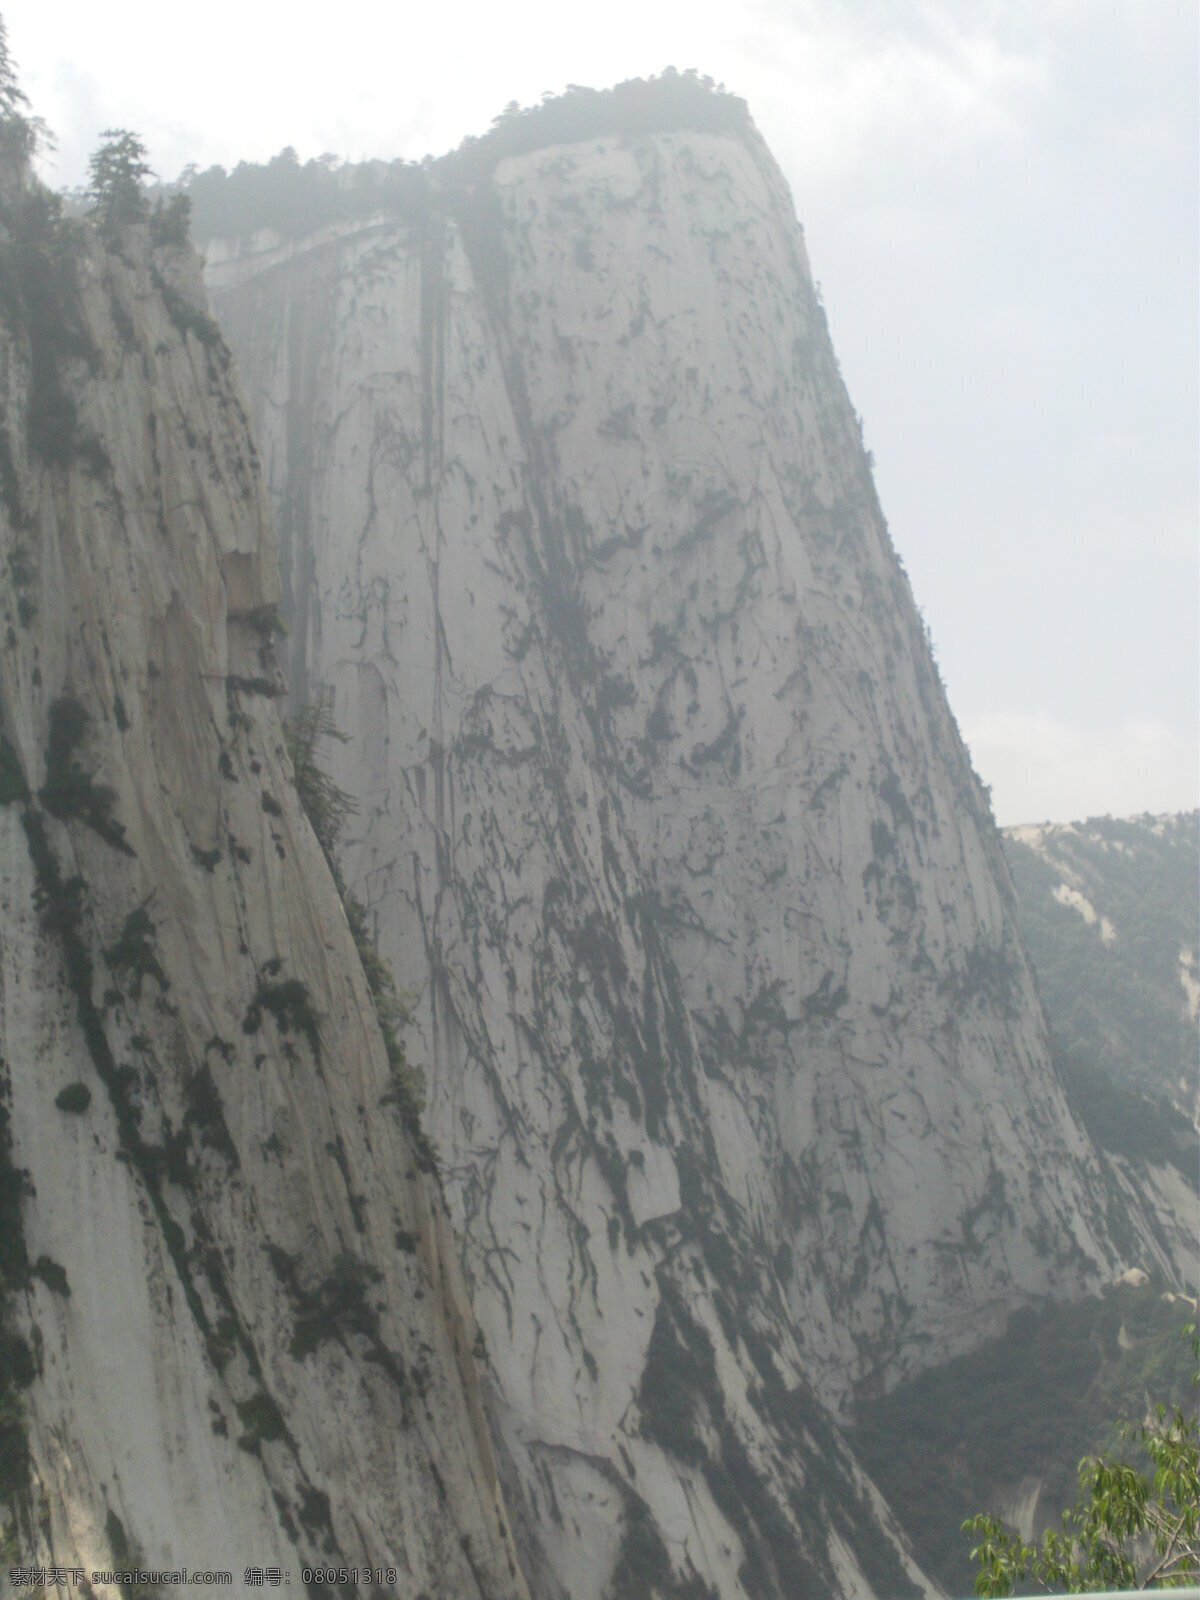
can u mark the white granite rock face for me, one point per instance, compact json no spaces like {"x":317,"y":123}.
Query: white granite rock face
{"x":261,"y":1352}
{"x":736,"y":1067}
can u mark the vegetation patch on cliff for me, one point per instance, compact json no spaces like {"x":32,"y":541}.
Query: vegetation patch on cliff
{"x":75,"y":1098}
{"x":290,"y":1003}
{"x":127,"y":1556}
{"x":69,"y":790}
{"x":132,"y":955}
{"x":13,"y":788}
{"x":643,"y":1570}
{"x":17,"y":1366}
{"x":39,"y":295}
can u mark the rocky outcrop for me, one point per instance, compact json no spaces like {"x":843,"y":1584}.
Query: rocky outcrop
{"x":739,"y":1078}
{"x":234,"y":1331}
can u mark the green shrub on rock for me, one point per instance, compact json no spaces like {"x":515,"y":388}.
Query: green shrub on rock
{"x":75,"y":1098}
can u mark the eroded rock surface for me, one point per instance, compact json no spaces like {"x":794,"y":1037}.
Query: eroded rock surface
{"x":236,"y":1331}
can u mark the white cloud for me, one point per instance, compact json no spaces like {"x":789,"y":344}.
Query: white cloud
{"x":1001,"y":201}
{"x":844,"y":83}
{"x":1044,"y":770}
{"x":848,"y":90}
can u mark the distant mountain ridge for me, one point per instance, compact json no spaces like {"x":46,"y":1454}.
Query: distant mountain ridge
{"x":1110,"y":912}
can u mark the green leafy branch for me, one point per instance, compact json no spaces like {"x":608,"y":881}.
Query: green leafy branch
{"x":1129,"y":1529}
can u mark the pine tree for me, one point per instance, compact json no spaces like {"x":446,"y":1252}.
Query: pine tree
{"x":18,"y":134}
{"x":117,"y":169}
{"x":12,"y":98}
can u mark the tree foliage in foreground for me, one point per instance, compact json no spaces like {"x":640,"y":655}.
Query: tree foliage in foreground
{"x":1129,"y":1529}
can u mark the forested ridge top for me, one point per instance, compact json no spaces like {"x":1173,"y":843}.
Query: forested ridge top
{"x":295,"y":198}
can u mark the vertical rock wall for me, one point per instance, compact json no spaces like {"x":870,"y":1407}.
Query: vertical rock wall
{"x":234,"y":1330}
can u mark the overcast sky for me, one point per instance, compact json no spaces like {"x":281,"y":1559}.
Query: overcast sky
{"x":1000,"y":201}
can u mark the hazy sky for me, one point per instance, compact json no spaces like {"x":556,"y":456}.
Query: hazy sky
{"x":1000,"y":201}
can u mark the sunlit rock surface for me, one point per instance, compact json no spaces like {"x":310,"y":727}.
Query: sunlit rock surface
{"x":740,"y":1082}
{"x":245,"y":1326}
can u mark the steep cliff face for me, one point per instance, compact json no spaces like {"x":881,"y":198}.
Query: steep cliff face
{"x":736,"y":1067}
{"x":234,"y":1331}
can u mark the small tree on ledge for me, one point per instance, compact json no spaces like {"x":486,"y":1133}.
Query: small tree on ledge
{"x":117,"y":170}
